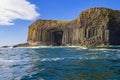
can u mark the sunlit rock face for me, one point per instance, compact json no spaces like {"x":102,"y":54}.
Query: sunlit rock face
{"x":93,"y":27}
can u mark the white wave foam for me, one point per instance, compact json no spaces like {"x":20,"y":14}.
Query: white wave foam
{"x":7,"y":61}
{"x":102,"y":49}
{"x":73,"y":58}
{"x":52,"y":59}
{"x":82,"y":47}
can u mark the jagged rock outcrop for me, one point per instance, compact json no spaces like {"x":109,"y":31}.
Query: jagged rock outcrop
{"x":93,"y":27}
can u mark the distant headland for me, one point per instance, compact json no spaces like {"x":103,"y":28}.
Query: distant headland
{"x":93,"y":27}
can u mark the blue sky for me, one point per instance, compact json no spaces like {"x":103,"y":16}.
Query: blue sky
{"x":17,"y":15}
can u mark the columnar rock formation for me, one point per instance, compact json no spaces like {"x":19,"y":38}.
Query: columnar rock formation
{"x":93,"y":27}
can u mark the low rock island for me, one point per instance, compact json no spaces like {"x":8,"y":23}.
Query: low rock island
{"x":93,"y":27}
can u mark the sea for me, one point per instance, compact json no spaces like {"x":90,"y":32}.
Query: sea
{"x":60,"y":63}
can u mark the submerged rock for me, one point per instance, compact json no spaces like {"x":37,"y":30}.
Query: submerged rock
{"x":93,"y":27}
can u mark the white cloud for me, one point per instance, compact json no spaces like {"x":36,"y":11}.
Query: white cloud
{"x":16,"y":9}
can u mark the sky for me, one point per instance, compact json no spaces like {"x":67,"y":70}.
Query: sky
{"x":17,"y":15}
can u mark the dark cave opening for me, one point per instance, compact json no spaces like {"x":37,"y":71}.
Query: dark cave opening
{"x":114,"y":38}
{"x":114,"y":32}
{"x":57,"y":38}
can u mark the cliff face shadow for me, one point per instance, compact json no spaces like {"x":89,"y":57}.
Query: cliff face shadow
{"x":57,"y":38}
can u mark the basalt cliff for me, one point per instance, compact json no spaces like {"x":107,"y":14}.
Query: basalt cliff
{"x":93,"y":27}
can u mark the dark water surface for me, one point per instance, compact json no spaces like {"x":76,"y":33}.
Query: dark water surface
{"x":59,"y":63}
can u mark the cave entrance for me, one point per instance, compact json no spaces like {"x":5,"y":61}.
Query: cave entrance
{"x":113,"y":37}
{"x":57,"y":38}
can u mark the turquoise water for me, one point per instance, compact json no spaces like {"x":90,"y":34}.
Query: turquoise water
{"x":60,"y":63}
